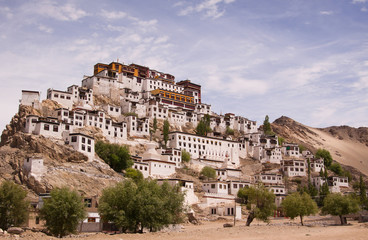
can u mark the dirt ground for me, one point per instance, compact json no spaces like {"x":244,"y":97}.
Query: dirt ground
{"x":316,"y":228}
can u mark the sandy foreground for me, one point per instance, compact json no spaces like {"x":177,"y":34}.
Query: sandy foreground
{"x":277,"y":229}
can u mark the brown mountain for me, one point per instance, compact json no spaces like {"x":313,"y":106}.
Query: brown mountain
{"x":347,"y":145}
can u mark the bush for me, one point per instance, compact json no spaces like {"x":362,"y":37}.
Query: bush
{"x":336,"y":168}
{"x":134,"y":174}
{"x":63,"y":211}
{"x":13,"y":205}
{"x":116,"y":156}
{"x":135,"y":206}
{"x":208,"y":172}
{"x":185,"y":156}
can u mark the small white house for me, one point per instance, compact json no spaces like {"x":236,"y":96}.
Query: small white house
{"x":157,"y":166}
{"x":316,"y":165}
{"x":217,"y":187}
{"x":186,"y":187}
{"x":269,"y":178}
{"x":226,"y":173}
{"x":30,"y":98}
{"x":82,"y":143}
{"x":294,"y":167}
{"x":291,"y":149}
{"x":33,"y":166}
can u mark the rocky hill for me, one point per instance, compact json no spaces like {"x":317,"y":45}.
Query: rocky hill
{"x":347,"y":145}
{"x":63,"y":165}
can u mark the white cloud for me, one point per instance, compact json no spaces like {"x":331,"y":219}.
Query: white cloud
{"x":113,"y":15}
{"x":359,"y":1}
{"x":210,"y":8}
{"x":52,"y":9}
{"x":364,"y":9}
{"x":326,"y":12}
{"x":6,"y":12}
{"x":45,"y":29}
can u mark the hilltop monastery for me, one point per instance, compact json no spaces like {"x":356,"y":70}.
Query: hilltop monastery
{"x":137,"y":95}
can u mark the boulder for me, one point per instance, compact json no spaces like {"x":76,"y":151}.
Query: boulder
{"x":15,"y":230}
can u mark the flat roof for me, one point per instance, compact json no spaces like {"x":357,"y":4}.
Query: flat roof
{"x":31,"y":91}
{"x":203,"y":136}
{"x":82,"y":134}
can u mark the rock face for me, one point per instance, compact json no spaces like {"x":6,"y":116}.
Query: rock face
{"x":15,"y":230}
{"x":63,"y":165}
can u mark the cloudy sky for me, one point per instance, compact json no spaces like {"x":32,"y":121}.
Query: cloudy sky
{"x":304,"y":59}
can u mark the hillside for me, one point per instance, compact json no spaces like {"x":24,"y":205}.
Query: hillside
{"x":347,"y":145}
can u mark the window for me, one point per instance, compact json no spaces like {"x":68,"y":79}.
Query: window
{"x":55,"y":128}
{"x":74,"y":139}
{"x":83,"y":140}
{"x":46,"y":127}
{"x":88,"y":202}
{"x":83,"y":147}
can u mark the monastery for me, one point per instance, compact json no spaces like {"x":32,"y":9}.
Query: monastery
{"x":137,"y":96}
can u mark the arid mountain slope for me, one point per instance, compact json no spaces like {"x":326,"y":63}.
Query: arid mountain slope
{"x":347,"y":145}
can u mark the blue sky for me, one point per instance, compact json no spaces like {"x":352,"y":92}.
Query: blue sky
{"x":304,"y":59}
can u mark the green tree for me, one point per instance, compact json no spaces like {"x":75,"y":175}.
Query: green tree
{"x":361,"y":192}
{"x":204,"y":126}
{"x":63,"y":211}
{"x":117,"y":205}
{"x":116,"y":156}
{"x":280,"y":140}
{"x":165,"y":131}
{"x":336,"y":168}
{"x":208,"y":172}
{"x":134,"y":174}
{"x":267,"y":126}
{"x":229,"y":131}
{"x":300,"y":205}
{"x":185,"y":156}
{"x":260,"y":202}
{"x":154,"y":125}
{"x":325,"y":155}
{"x":135,"y":206}
{"x":339,"y":205}
{"x":13,"y":205}
{"x":302,"y":148}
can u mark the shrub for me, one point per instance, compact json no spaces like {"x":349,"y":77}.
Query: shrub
{"x":185,"y":156}
{"x":116,"y":156}
{"x":208,"y":172}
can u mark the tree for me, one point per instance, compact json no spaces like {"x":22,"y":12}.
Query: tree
{"x":361,"y":192}
{"x":300,"y":205}
{"x":135,"y":206}
{"x":208,"y":172}
{"x":336,"y":168}
{"x":165,"y":131}
{"x":134,"y":174}
{"x":117,"y":204}
{"x":116,"y":156}
{"x":302,"y":148}
{"x":204,"y":126}
{"x":154,"y":125}
{"x":267,"y":126}
{"x":185,"y":156}
{"x":260,"y":201}
{"x":325,"y":155}
{"x":229,"y":131}
{"x":63,"y":211}
{"x":280,"y":140}
{"x":13,"y":205}
{"x":339,"y":205}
